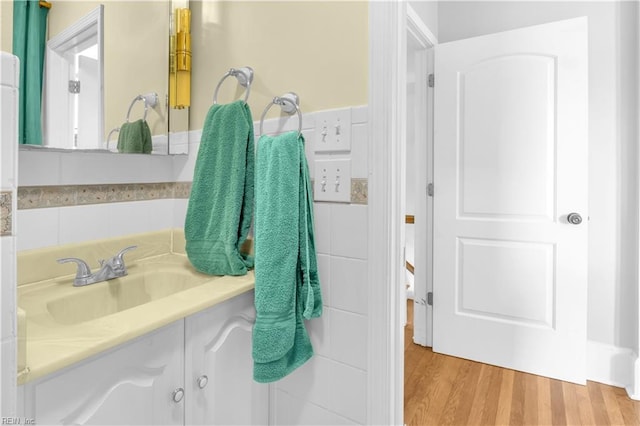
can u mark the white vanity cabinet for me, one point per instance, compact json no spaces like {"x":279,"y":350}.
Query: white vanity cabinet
{"x":219,"y":367}
{"x":197,"y":370}
{"x":133,"y":384}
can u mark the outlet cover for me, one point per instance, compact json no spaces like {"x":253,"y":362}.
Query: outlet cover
{"x":332,"y":181}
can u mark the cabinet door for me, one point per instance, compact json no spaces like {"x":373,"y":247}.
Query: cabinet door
{"x":131,"y":385}
{"x":219,"y":367}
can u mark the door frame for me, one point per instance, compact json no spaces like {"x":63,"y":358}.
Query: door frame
{"x":387,"y":157}
{"x":423,"y":277}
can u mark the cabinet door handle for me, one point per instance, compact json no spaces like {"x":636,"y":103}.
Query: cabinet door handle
{"x":203,"y":381}
{"x":178,"y":394}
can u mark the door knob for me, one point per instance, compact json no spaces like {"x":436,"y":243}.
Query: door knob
{"x":574,"y":218}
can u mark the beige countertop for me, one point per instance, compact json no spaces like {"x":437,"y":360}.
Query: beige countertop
{"x":64,"y":324}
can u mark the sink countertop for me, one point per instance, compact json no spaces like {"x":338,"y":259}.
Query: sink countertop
{"x":51,"y":346}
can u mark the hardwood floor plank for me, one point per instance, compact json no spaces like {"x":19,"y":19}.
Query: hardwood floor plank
{"x":584,"y":406}
{"x":517,"y":400}
{"x":480,"y":397}
{"x":506,"y":394}
{"x":558,"y":412}
{"x":530,"y":400}
{"x":467,"y":385}
{"x":417,"y":393}
{"x":439,"y":391}
{"x":596,"y":399}
{"x":611,"y":405}
{"x":627,"y":407}
{"x":571,"y":409}
{"x":492,"y":400}
{"x":544,"y":400}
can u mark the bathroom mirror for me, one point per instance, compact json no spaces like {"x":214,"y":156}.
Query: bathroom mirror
{"x":135,"y":61}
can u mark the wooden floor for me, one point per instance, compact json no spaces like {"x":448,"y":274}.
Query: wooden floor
{"x":444,"y":390}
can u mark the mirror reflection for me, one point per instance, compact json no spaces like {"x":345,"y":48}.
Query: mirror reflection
{"x":121,"y":82}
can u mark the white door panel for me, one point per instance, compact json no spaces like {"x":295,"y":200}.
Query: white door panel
{"x":510,"y":152}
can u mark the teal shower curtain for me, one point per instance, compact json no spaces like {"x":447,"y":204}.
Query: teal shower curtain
{"x":29,"y":39}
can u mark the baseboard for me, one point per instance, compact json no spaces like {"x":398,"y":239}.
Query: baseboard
{"x":613,"y":365}
{"x":633,"y":389}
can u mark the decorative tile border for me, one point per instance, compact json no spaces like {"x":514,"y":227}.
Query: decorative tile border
{"x":38,"y":197}
{"x":359,"y":191}
{"x":5,"y":213}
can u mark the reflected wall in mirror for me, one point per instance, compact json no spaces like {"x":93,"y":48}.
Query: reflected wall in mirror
{"x":136,"y":62}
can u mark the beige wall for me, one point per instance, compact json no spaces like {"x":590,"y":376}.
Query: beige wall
{"x":6,"y":26}
{"x":317,"y":49}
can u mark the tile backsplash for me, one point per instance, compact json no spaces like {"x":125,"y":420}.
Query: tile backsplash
{"x":6,"y":226}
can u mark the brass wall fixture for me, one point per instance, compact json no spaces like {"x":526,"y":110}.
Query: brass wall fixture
{"x":180,"y":60}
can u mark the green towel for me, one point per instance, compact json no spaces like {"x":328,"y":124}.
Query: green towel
{"x":135,"y":137}
{"x":287,"y":288}
{"x":220,"y":206}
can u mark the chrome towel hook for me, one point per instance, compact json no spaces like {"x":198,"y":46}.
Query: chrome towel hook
{"x":244,"y":76}
{"x":289,"y":103}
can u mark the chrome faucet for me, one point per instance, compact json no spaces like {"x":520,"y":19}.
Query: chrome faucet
{"x":109,"y":269}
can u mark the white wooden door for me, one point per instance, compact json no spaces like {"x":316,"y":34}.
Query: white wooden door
{"x":510,"y":270}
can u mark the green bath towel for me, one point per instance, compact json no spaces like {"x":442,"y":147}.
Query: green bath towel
{"x":287,"y":289}
{"x":220,"y":206}
{"x":135,"y":137}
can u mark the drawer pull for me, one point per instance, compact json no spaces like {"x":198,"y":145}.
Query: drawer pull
{"x":178,"y":394}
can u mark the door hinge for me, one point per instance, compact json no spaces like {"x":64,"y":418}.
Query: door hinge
{"x":74,"y":86}
{"x":431,"y":80}
{"x":430,"y":298}
{"x":430,"y":190}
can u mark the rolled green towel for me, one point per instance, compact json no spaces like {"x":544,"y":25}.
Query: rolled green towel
{"x":220,"y":205}
{"x":135,"y":137}
{"x":287,"y":288}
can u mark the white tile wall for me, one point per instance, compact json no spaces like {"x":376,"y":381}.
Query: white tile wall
{"x":349,"y":230}
{"x":8,"y":288}
{"x":38,"y":228}
{"x":63,"y":225}
{"x":291,"y":410}
{"x":348,"y":286}
{"x":9,"y":79}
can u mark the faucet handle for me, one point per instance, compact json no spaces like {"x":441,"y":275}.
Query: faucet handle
{"x":83,"y":269}
{"x":117,"y":261}
{"x":124,"y":250}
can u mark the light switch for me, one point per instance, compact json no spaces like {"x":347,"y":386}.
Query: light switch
{"x":333,"y":130}
{"x":332,"y":180}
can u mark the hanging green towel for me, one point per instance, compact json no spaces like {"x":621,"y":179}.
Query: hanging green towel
{"x":220,"y":206}
{"x":287,"y":288}
{"x":135,"y":138}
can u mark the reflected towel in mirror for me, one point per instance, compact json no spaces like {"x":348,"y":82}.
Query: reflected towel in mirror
{"x":135,"y":137}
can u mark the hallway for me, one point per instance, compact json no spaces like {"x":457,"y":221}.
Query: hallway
{"x":443,"y":390}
